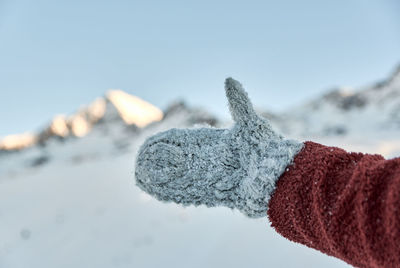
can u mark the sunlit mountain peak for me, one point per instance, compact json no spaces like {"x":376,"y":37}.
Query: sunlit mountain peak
{"x":134,"y":110}
{"x":59,"y":126}
{"x":17,"y":141}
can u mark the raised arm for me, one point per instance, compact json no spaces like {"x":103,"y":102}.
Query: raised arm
{"x":346,"y":205}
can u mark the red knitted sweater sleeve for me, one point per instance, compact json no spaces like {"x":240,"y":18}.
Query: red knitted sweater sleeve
{"x":346,"y":205}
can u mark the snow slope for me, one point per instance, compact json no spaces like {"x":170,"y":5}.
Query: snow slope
{"x":70,"y":201}
{"x":80,"y":208}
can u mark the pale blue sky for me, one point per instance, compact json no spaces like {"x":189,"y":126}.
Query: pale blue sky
{"x":58,"y":55}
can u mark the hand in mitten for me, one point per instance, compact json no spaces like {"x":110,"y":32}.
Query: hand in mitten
{"x":236,"y":167}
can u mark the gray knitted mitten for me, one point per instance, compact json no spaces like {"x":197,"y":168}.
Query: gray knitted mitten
{"x":236,"y":167}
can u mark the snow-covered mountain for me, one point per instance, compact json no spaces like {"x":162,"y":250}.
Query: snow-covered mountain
{"x":346,"y":111}
{"x":68,"y":199}
{"x":364,"y":119}
{"x":116,"y":105}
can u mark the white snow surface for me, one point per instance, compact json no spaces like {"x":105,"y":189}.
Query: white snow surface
{"x":82,"y":209}
{"x":75,"y":204}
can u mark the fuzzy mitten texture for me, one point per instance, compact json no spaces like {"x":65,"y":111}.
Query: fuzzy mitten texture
{"x":236,"y":167}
